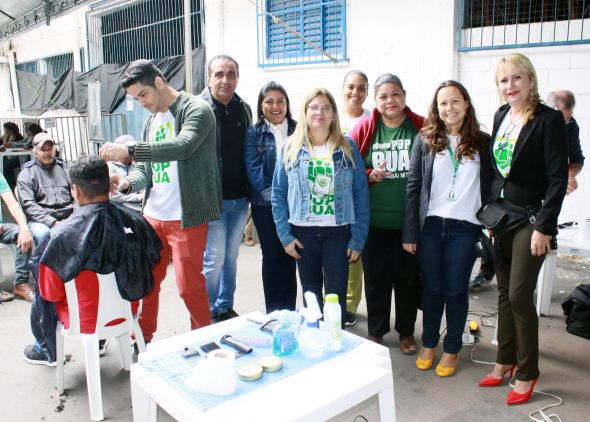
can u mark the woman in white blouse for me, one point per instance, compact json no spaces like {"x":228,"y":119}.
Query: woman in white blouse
{"x":354,"y":94}
{"x":355,"y":89}
{"x":263,"y":142}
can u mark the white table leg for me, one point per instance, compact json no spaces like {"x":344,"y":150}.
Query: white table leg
{"x":545,"y":284}
{"x":495,"y":338}
{"x":144,"y":408}
{"x":387,"y":405}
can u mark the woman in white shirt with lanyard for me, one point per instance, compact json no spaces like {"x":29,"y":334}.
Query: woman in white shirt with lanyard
{"x":320,"y":200}
{"x":449,"y":172}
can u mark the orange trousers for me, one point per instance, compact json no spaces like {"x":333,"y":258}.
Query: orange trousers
{"x":186,"y":247}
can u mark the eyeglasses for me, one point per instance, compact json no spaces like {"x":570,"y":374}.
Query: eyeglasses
{"x":324,"y":109}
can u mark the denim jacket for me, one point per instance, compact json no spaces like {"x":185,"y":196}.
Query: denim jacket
{"x":260,"y":156}
{"x":290,"y":194}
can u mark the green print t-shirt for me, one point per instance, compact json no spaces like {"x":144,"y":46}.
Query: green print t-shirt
{"x":163,"y":202}
{"x":320,"y":177}
{"x":504,"y":143}
{"x":388,"y":197}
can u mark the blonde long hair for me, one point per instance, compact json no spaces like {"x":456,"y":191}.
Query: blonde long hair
{"x":300,"y":136}
{"x":522,"y":63}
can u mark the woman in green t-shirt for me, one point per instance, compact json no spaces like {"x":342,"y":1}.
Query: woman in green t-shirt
{"x":385,"y":141}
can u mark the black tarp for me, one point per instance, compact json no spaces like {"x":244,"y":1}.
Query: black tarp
{"x":41,"y":93}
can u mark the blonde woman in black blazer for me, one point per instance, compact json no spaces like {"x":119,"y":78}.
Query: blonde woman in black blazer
{"x":529,"y":163}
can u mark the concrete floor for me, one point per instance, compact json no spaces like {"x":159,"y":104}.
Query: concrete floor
{"x":28,"y":392}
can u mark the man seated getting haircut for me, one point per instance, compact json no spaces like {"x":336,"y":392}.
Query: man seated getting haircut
{"x":100,"y":237}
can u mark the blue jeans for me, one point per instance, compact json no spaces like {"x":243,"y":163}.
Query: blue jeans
{"x":21,"y":263}
{"x":39,"y":231}
{"x":43,"y":316}
{"x":323,"y":262}
{"x":279,"y":278}
{"x":446,"y":254}
{"x":221,"y":254}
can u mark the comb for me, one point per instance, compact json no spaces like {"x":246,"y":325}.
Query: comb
{"x":209,"y":347}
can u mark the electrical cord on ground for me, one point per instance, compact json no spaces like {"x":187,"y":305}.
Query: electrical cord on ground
{"x":546,"y":418}
{"x":553,"y":417}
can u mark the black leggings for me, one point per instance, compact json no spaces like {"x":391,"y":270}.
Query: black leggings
{"x":388,"y":267}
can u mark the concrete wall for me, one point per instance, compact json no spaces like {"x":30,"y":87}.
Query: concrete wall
{"x":382,"y":36}
{"x":560,"y":67}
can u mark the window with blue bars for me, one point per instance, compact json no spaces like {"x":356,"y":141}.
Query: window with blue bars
{"x":495,"y":24}
{"x":301,"y":31}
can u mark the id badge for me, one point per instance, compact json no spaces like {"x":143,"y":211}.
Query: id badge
{"x":322,"y":184}
{"x":451,"y":193}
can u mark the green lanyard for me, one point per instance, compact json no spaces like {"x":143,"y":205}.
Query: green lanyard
{"x":451,"y":195}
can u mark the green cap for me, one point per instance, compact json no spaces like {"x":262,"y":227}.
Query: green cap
{"x":332,"y":298}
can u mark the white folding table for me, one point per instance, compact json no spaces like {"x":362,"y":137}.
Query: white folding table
{"x":314,"y":394}
{"x":569,"y":241}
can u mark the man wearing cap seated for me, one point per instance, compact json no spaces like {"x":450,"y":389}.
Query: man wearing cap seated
{"x":43,"y":188}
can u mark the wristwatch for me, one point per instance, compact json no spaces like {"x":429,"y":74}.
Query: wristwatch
{"x":131,"y":147}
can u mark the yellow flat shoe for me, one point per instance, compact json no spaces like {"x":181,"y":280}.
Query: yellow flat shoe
{"x":446,"y":371}
{"x":425,"y":364}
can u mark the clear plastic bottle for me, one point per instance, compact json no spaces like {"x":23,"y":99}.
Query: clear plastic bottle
{"x":312,"y":341}
{"x":285,"y":334}
{"x":333,"y":322}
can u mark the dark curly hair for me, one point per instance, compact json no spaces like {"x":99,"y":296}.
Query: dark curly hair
{"x":434,"y":132}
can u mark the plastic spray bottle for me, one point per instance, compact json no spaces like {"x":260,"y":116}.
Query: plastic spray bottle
{"x":312,"y":341}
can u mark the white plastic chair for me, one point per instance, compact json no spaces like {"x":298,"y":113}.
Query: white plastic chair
{"x":111,"y":307}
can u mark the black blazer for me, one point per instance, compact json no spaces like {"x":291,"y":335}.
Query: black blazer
{"x":420,"y":181}
{"x":538,"y":173}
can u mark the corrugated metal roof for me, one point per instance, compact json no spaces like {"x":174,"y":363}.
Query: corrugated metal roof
{"x":20,"y":15}
{"x":16,"y":8}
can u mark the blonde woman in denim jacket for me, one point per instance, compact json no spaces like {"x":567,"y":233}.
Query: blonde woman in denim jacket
{"x":320,"y":199}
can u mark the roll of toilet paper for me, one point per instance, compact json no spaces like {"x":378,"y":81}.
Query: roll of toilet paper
{"x":216,"y":374}
{"x":585,"y":229}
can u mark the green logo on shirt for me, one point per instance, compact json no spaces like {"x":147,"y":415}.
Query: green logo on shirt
{"x":320,"y":175}
{"x":160,"y":170}
{"x":503,"y":151}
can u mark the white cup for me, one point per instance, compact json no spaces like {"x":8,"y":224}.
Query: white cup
{"x":585,"y":229}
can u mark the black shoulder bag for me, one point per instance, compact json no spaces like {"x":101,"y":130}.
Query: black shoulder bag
{"x":502,"y":216}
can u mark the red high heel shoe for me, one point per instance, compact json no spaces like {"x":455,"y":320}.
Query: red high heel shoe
{"x":517,"y":398}
{"x":489,"y":381}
